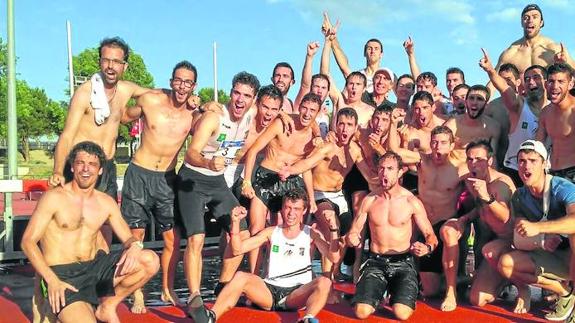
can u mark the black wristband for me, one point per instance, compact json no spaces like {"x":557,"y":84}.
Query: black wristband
{"x":429,"y":248}
{"x":491,"y":200}
{"x":333,"y":230}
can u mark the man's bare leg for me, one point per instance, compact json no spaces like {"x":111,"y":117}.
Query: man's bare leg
{"x":486,"y":284}
{"x":169,"y":261}
{"x":72,"y":312}
{"x":231,"y":263}
{"x":149,"y":265}
{"x":193,"y":263}
{"x":139,"y":304}
{"x":41,"y":311}
{"x":312,"y":295}
{"x":357,"y":198}
{"x":450,"y":235}
{"x":257,"y":214}
{"x":243,"y":283}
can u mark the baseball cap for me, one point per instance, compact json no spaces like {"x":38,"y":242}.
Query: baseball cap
{"x":387,"y":71}
{"x":534,"y":145}
{"x":530,"y":7}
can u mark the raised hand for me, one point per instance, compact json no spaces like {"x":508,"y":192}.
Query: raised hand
{"x":312,"y":48}
{"x":478,"y":188}
{"x":409,"y":46}
{"x":561,"y":56}
{"x":485,"y":62}
{"x":238,"y":213}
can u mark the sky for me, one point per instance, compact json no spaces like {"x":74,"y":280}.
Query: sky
{"x":253,"y":35}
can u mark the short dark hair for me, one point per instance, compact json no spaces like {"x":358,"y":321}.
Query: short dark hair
{"x":188,"y":66}
{"x":115,"y":42}
{"x":427,"y":76}
{"x":423,"y":96}
{"x":295,"y":195}
{"x":404,"y":76}
{"x":461,"y":86}
{"x":480,"y":88}
{"x":347,"y":112}
{"x":480,"y":143}
{"x":456,"y":70}
{"x":283,"y":64}
{"x":509,"y":67}
{"x":312,"y":97}
{"x":373,"y":40}
{"x":246,"y":79}
{"x":270,"y":91}
{"x":90,"y":148}
{"x":358,"y":74}
{"x":443,"y":130}
{"x":542,"y":69}
{"x":391,"y":155}
{"x":383,"y":108}
{"x":321,"y":77}
{"x":560,"y":68}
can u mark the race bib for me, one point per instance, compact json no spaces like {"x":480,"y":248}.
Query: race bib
{"x":229,"y":149}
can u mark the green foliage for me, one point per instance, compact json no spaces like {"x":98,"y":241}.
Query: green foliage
{"x":3,"y":58}
{"x":206,"y":94}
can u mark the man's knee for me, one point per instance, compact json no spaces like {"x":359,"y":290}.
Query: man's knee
{"x":150,"y":261}
{"x":505,"y":265}
{"x":402,"y":312}
{"x":480,"y":299}
{"x":449,"y":234}
{"x":196,"y":242}
{"x":323,"y":283}
{"x":363,"y":311}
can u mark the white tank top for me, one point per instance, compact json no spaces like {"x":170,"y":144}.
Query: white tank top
{"x":290,"y":261}
{"x":524,"y":130}
{"x":227,"y":141}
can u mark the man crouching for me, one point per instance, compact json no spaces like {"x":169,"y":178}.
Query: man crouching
{"x":288,"y":284}
{"x":74,"y":272}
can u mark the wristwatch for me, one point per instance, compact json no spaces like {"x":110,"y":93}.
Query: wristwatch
{"x":491,"y":200}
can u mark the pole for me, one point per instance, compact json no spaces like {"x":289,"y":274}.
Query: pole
{"x":12,"y":134}
{"x":70,"y":63}
{"x":215,"y":73}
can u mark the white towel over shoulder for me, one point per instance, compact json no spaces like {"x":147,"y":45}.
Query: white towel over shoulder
{"x":99,"y":100}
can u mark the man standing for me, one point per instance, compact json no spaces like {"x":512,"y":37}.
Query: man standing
{"x":392,"y":212}
{"x":148,"y":188}
{"x":75,"y":271}
{"x":283,"y":79}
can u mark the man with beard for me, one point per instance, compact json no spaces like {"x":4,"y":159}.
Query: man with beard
{"x":382,"y":84}
{"x":281,"y":149}
{"x":474,"y":125}
{"x":403,"y":92}
{"x":556,"y":121}
{"x":440,"y":183}
{"x":392,"y":212}
{"x":148,"y":188}
{"x":523,"y":111}
{"x":458,"y":99}
{"x":491,"y":191}
{"x":201,"y":182}
{"x":533,"y":48}
{"x":355,"y":84}
{"x":283,"y":79}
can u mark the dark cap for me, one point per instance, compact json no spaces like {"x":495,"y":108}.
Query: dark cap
{"x":530,"y":7}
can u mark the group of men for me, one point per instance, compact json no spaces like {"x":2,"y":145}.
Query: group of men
{"x":283,"y":180}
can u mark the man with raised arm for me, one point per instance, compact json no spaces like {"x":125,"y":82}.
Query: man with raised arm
{"x":148,"y":189}
{"x":556,"y":122}
{"x":392,"y":212}
{"x":491,"y":191}
{"x":218,"y":138}
{"x":523,"y":111}
{"x":61,"y":242}
{"x":288,"y":284}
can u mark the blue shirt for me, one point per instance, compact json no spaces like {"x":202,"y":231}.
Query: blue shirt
{"x":525,"y":205}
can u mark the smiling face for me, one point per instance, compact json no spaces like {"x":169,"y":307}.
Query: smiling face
{"x":308,"y":110}
{"x":373,"y":52}
{"x":112,"y":64}
{"x":241,"y":99}
{"x":292,"y":212}
{"x":557,"y":86}
{"x":534,"y":83}
{"x":183,"y":85}
{"x":531,"y":168}
{"x":453,"y":80}
{"x":86,"y":169}
{"x":282,"y":79}
{"x":381,"y":83}
{"x":404,"y":89}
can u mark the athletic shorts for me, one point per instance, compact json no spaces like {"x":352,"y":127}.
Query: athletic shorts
{"x":354,"y":182}
{"x":394,"y":273}
{"x":280,"y":295}
{"x":409,"y":181}
{"x":339,"y":205}
{"x":552,"y":265}
{"x":106,"y":182}
{"x":93,"y":279}
{"x":566,"y":173}
{"x":148,"y":193}
{"x":270,"y":189}
{"x":197,"y":191}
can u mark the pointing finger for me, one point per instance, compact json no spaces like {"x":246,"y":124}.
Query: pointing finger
{"x":485,"y":53}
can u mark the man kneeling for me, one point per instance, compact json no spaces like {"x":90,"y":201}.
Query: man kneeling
{"x":66,"y":222}
{"x":289,"y":284}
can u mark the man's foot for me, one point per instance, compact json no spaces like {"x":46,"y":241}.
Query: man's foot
{"x":523,"y":300}
{"x":334,"y":297}
{"x":107,"y":314}
{"x":169,"y":296}
{"x":138,"y":307}
{"x":562,"y":308}
{"x":449,"y":304}
{"x":198,"y":312}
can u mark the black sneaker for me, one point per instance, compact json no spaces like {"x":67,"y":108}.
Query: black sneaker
{"x":196,"y":310}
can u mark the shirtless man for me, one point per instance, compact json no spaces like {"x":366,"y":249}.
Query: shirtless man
{"x":440,"y":184}
{"x":556,"y":121}
{"x":427,"y":81}
{"x":458,"y":99}
{"x":283,"y":79}
{"x":404,"y":89}
{"x":74,"y":270}
{"x":217,"y":139}
{"x":473,"y":124}
{"x":523,"y":111}
{"x":288,"y":284}
{"x":392,"y":212}
{"x":281,"y":149}
{"x":148,"y":188}
{"x":355,"y":84}
{"x":491,"y":191}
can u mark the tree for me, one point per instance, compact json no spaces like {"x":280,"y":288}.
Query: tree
{"x":86,"y":64}
{"x":206,"y":94}
{"x":3,"y":58}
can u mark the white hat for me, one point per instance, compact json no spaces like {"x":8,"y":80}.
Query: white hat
{"x":534,"y":145}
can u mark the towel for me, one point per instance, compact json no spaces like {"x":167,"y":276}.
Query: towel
{"x":99,"y":100}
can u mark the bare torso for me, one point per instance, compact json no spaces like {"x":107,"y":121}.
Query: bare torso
{"x":467,"y":131}
{"x":364,"y":111}
{"x":523,"y":55}
{"x":329,"y":174}
{"x":287,"y":150}
{"x":560,"y":127}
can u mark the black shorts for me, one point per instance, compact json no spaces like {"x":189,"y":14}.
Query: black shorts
{"x":197,"y":191}
{"x":148,"y":193}
{"x":566,"y":173}
{"x":280,"y":295}
{"x":409,"y":181}
{"x":270,"y":189}
{"x":92,"y":279}
{"x":106,"y":182}
{"x":395,"y":273}
{"x":354,"y":182}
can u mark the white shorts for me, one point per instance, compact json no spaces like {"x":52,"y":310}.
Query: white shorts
{"x":336,"y":198}
{"x":232,"y":173}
